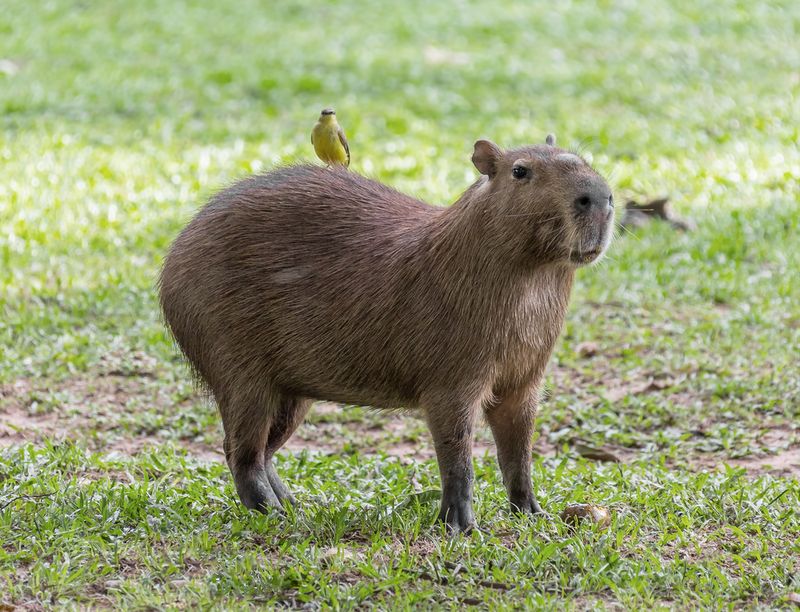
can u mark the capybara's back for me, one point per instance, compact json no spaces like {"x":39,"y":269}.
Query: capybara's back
{"x":312,"y":283}
{"x":282,"y":282}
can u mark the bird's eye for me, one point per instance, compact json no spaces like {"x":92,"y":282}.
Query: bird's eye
{"x":519,"y":172}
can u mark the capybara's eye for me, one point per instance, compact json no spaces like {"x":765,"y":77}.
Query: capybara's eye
{"x":519,"y":172}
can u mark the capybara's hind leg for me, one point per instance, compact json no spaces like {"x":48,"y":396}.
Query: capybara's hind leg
{"x":247,"y":424}
{"x":291,"y":413}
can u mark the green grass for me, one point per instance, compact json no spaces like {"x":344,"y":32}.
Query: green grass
{"x":159,"y":529}
{"x":118,"y":120}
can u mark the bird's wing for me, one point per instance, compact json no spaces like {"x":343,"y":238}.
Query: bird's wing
{"x":343,"y":140}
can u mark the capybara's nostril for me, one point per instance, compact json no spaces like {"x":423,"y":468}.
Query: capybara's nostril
{"x":599,"y":205}
{"x":583,"y":203}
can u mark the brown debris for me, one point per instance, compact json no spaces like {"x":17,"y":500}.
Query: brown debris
{"x":638,"y":215}
{"x":587,"y":349}
{"x":592,"y":452}
{"x":574,"y":513}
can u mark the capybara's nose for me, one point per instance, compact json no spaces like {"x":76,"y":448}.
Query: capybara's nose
{"x":599,"y":205}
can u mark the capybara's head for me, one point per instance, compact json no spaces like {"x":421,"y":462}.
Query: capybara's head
{"x":556,"y":206}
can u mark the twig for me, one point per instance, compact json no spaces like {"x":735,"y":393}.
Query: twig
{"x":26,"y":496}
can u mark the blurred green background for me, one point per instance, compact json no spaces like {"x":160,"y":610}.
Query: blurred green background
{"x":118,"y":120}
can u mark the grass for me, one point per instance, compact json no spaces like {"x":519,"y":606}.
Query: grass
{"x":119,"y":120}
{"x":159,"y":529}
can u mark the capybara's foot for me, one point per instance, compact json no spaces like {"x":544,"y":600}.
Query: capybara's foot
{"x":526,"y":505}
{"x":255,"y":490}
{"x":457,"y":514}
{"x":280,"y":490}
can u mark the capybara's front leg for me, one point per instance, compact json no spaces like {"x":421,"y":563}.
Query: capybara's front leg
{"x":452,"y":438}
{"x":512,"y":421}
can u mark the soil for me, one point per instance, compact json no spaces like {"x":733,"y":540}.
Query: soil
{"x":101,"y":410}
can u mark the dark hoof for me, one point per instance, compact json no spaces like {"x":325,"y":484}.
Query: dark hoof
{"x":280,"y":490}
{"x":527,"y":506}
{"x":256,"y":492}
{"x":458,"y":517}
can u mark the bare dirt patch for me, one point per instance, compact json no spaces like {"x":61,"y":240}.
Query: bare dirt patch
{"x":92,"y":410}
{"x":784,"y":463}
{"x":101,"y":412}
{"x":126,"y":411}
{"x":398,"y":434}
{"x":779,"y":455}
{"x":784,"y":459}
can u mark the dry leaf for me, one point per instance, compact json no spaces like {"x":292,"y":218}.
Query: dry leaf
{"x":594,"y":453}
{"x":587,"y":349}
{"x":655,"y":208}
{"x":333,"y":553}
{"x":638,"y":215}
{"x":616,"y":393}
{"x":574,"y":513}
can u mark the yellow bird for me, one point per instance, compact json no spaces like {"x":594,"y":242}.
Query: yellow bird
{"x":329,"y":141}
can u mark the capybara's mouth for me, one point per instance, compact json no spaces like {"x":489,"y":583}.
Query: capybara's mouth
{"x":584,"y":257}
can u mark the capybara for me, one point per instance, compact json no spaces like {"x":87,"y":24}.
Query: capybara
{"x":309,"y":283}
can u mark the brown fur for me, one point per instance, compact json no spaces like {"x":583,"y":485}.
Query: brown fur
{"x":309,"y":283}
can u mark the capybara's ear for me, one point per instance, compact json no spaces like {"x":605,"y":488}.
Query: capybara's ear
{"x":485,"y":157}
{"x":551,"y":140}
